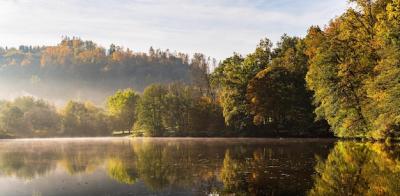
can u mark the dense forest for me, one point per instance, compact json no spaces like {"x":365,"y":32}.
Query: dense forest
{"x":344,"y":78}
{"x":355,"y":70}
{"x":231,"y":101}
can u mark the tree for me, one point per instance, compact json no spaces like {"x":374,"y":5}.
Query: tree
{"x":83,"y":119}
{"x":271,"y":94}
{"x":189,"y":112}
{"x":231,"y":79}
{"x":353,"y":70}
{"x":112,"y":49}
{"x":150,"y":110}
{"x":11,"y":121}
{"x":178,"y":104}
{"x":121,"y":107}
{"x":29,"y":117}
{"x":277,"y":95}
{"x":177,"y":110}
{"x":384,"y":89}
{"x":199,"y":70}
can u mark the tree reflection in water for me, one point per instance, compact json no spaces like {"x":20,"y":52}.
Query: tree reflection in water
{"x":27,"y":164}
{"x":244,"y":167}
{"x":354,"y":168}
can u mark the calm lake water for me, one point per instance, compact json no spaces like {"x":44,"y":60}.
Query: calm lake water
{"x":123,"y":166}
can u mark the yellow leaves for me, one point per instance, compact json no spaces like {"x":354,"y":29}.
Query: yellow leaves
{"x":119,"y":171}
{"x":393,"y":10}
{"x":72,"y":51}
{"x":56,"y":55}
{"x":90,"y":56}
{"x":353,"y":71}
{"x":313,"y":40}
{"x":117,"y":56}
{"x":354,"y":168}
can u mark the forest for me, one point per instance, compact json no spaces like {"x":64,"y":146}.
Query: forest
{"x":341,"y":80}
{"x":77,"y":68}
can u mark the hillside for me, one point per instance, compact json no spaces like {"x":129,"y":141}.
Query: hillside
{"x":78,"y":69}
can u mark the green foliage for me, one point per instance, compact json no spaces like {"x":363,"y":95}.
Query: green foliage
{"x":277,"y":95}
{"x":83,"y":119}
{"x":150,"y":111}
{"x":29,"y":117}
{"x":177,"y":110}
{"x":12,"y":120}
{"x":265,"y":92}
{"x":231,"y":79}
{"x":121,"y":107}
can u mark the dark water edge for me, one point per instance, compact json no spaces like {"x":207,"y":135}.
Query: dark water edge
{"x":195,"y":166}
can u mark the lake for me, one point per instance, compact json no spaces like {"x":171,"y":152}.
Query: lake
{"x":173,"y":166}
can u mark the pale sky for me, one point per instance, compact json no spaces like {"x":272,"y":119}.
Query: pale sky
{"x":216,"y":28}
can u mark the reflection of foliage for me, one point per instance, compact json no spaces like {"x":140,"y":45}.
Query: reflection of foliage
{"x":358,"y":169}
{"x":162,"y":165}
{"x":169,"y":165}
{"x":244,"y":176}
{"x":155,"y":165}
{"x":27,"y":165}
{"x":118,"y":170}
{"x":86,"y":158}
{"x":230,"y":173}
{"x":31,"y":160}
{"x":267,"y":171}
{"x":78,"y":164}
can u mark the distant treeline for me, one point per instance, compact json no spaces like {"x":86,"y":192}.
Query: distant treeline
{"x":81,"y":69}
{"x":346,"y":77}
{"x":28,"y":117}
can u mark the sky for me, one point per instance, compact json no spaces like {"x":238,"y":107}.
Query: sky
{"x":216,"y":28}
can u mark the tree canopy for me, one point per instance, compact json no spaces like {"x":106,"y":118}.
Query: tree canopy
{"x":354,"y":70}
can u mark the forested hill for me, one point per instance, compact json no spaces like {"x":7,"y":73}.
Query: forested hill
{"x":78,"y":69}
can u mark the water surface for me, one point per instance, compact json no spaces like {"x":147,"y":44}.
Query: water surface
{"x":123,"y":166}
